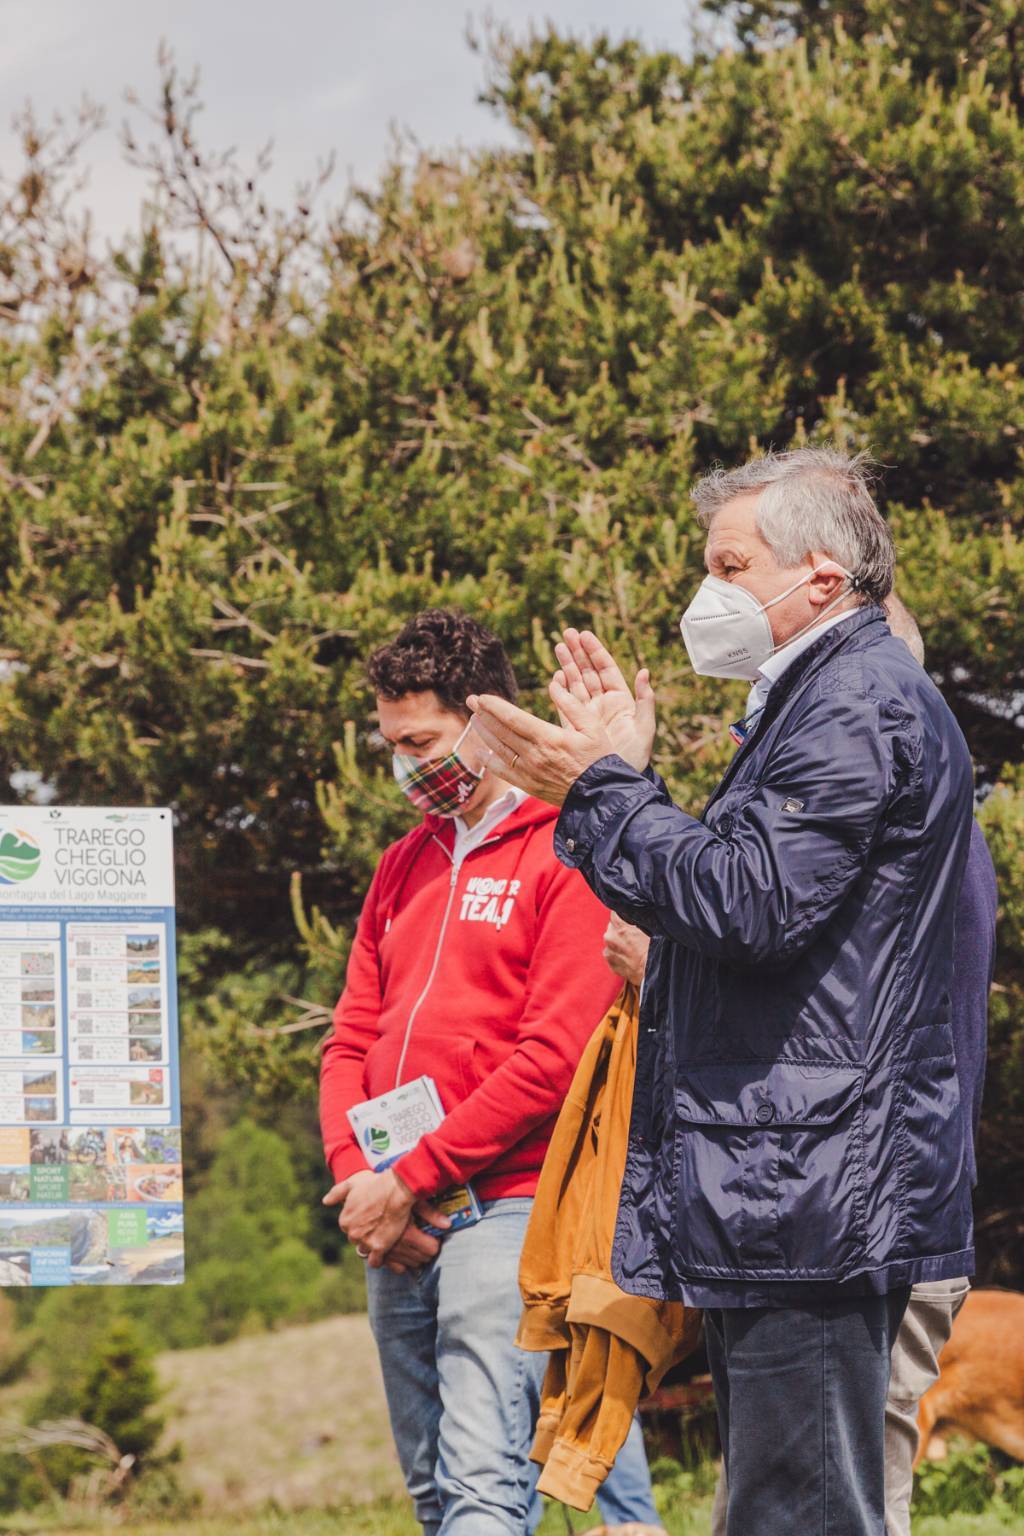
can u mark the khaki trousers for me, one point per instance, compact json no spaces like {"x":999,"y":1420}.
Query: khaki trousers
{"x":927,"y":1324}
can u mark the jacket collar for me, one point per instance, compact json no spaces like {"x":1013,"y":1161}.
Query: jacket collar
{"x":851,"y":635}
{"x":780,"y":661}
{"x":835,"y":638}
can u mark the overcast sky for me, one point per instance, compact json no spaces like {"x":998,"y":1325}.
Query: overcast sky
{"x":313,"y":75}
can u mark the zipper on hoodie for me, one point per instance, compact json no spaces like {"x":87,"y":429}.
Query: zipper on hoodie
{"x":437,"y":955}
{"x":440,"y":940}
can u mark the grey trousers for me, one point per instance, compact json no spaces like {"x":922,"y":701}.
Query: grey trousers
{"x":926,"y":1326}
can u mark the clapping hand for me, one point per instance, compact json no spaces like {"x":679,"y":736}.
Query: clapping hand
{"x":599,"y":716}
{"x":589,"y":672}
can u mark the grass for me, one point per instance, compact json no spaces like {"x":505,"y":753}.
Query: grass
{"x":389,"y":1518}
{"x":293,"y":1419}
{"x":286,"y":1434}
{"x":383,"y":1518}
{"x":967,"y":1525}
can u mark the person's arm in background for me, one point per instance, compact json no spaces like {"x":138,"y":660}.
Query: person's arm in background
{"x":342,"y":1087}
{"x":569,"y":989}
{"x":344,"y":1051}
{"x":625,"y":949}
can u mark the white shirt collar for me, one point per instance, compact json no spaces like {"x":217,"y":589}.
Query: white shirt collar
{"x":772,"y":669}
{"x":468,"y":838}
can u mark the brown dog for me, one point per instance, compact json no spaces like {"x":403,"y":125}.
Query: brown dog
{"x":980,"y":1389}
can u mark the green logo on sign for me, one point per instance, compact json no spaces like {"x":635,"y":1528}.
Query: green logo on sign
{"x":378,"y":1139}
{"x":19,"y":858}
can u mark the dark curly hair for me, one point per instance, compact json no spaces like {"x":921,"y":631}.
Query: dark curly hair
{"x":447,"y":651}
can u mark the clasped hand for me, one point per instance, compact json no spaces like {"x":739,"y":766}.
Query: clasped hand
{"x":598,"y":715}
{"x":377,"y":1215}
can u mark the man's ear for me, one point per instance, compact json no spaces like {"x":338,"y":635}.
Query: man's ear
{"x":825,"y":584}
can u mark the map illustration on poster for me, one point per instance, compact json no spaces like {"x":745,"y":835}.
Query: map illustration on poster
{"x":90,"y":1112}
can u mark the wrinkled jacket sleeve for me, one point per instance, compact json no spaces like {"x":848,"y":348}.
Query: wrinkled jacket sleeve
{"x":756,"y":883}
{"x":344,"y":1051}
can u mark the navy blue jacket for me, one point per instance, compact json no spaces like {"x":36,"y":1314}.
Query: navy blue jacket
{"x":797,"y":1113}
{"x":974,"y":958}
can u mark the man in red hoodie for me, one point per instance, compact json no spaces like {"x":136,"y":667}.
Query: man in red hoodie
{"x":477,"y":961}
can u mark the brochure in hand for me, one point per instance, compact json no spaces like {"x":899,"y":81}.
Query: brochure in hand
{"x":391,"y":1124}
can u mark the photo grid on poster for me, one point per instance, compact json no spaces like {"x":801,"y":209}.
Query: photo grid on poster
{"x":90,"y":1138}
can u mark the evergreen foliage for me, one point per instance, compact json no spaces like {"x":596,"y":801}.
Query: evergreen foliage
{"x":224,"y":478}
{"x":120,"y":1391}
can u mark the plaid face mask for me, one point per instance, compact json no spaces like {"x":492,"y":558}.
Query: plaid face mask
{"x":438,"y":784}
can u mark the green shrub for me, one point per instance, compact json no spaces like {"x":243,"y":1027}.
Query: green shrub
{"x":120,"y":1391}
{"x":100,"y":1371}
{"x":249,"y":1266}
{"x":676,"y":1487}
{"x":969,"y":1481}
{"x":963,"y":1483}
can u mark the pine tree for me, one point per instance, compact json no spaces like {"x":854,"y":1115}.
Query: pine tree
{"x":121,"y":1391}
{"x":223,"y":481}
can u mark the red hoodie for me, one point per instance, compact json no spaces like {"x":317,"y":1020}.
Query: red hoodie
{"x":498,"y":966}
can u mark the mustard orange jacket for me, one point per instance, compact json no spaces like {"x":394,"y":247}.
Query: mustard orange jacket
{"x":607,"y":1347}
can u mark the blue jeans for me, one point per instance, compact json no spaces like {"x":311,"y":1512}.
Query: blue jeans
{"x":801,"y":1393}
{"x":463,"y":1399}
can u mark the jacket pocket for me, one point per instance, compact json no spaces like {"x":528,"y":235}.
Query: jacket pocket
{"x":470,"y":1076}
{"x":769,"y":1169}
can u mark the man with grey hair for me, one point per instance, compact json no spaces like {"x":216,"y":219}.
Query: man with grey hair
{"x":797,"y":1153}
{"x":934,"y":1304}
